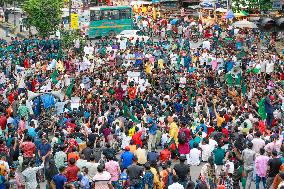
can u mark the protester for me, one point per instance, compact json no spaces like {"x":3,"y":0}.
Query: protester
{"x":113,"y":110}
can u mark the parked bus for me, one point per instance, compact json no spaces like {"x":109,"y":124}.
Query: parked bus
{"x":109,"y":21}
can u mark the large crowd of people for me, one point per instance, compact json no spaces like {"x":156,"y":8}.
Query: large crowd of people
{"x":145,"y":113}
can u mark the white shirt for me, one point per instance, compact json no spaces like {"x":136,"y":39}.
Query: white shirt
{"x":206,"y":151}
{"x":257,"y":144}
{"x":92,"y":167}
{"x":176,"y":185}
{"x":182,"y":80}
{"x":269,"y":67}
{"x":194,"y":156}
{"x":229,"y":167}
{"x":102,"y":179}
{"x":213,"y":143}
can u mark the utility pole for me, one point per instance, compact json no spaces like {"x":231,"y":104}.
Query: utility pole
{"x":14,"y":13}
{"x":70,"y":10}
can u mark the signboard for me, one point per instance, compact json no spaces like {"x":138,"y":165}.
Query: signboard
{"x":74,"y":21}
{"x":277,"y":5}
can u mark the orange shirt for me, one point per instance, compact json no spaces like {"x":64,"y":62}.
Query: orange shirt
{"x":73,"y":155}
{"x":165,"y":155}
{"x":132,"y":148}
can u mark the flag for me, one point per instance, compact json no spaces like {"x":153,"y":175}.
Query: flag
{"x":69,"y":90}
{"x":261,"y":109}
{"x":54,"y":76}
{"x":229,"y":79}
{"x":128,"y":113}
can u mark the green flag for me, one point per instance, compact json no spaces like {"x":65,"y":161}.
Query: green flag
{"x":128,"y":113}
{"x":238,"y":79}
{"x":54,"y":76}
{"x":69,"y":90}
{"x":261,"y":109}
{"x":229,"y":79}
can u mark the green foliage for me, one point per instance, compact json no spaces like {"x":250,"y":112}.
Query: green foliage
{"x":252,"y":5}
{"x":45,"y":15}
{"x":68,"y":38}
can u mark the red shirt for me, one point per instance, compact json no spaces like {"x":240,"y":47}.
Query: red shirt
{"x":71,"y":126}
{"x":165,"y":155}
{"x":3,"y":122}
{"x":11,"y":98}
{"x":261,"y":127}
{"x":137,"y":138}
{"x":227,"y":117}
{"x":225,"y":131}
{"x":28,"y":148}
{"x":71,"y":173}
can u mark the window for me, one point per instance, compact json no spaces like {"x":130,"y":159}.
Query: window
{"x":125,"y":14}
{"x":95,"y":15}
{"x":115,"y":14}
{"x":106,"y":15}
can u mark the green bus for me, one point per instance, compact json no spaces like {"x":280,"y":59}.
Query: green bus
{"x":109,"y":20}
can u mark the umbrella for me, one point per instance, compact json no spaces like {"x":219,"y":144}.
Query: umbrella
{"x":240,"y":14}
{"x":140,"y":3}
{"x":174,"y":21}
{"x":221,"y":10}
{"x":229,"y":15}
{"x":244,"y":24}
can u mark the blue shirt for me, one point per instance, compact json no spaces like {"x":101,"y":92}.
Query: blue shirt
{"x":201,"y":125}
{"x":2,"y":182}
{"x":31,"y":132}
{"x":126,"y":159}
{"x":59,"y":181}
{"x":230,"y":66}
{"x":44,"y":148}
{"x":154,"y":127}
{"x":138,"y":59}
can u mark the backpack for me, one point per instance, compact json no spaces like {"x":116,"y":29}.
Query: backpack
{"x":3,"y":170}
{"x":170,"y":178}
{"x":182,"y":137}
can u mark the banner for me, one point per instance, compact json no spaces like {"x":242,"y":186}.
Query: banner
{"x":74,"y":21}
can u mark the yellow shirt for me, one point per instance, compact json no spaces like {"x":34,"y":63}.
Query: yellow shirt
{"x":59,"y":66}
{"x":174,"y":131}
{"x":161,"y":63}
{"x":148,"y":69}
{"x":144,"y":9}
{"x":220,"y":120}
{"x":157,"y":182}
{"x":131,"y":131}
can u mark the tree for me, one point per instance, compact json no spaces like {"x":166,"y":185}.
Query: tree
{"x":68,"y":38}
{"x":252,"y":6}
{"x":45,"y":15}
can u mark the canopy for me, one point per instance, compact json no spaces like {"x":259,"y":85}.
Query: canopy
{"x":140,"y":2}
{"x":229,"y":15}
{"x":240,"y":14}
{"x":244,"y":24}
